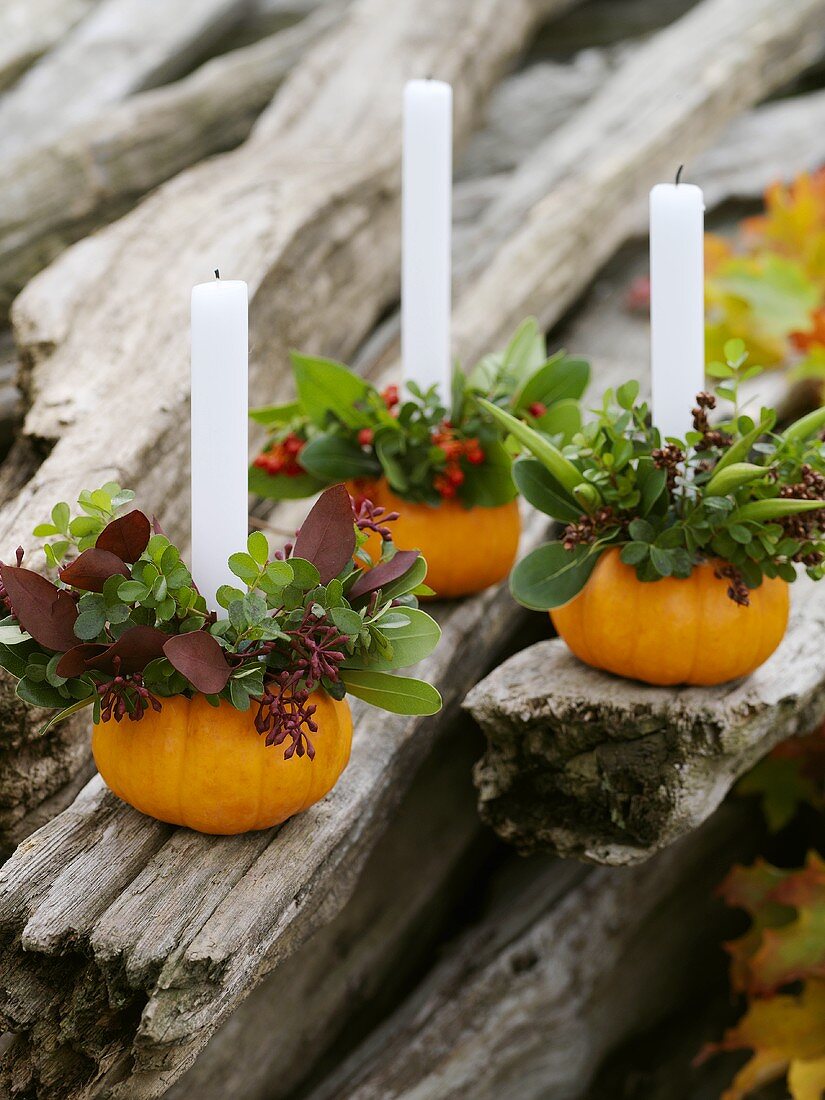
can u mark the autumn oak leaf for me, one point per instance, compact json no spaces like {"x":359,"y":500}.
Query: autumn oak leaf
{"x":327,"y":536}
{"x":92,"y":569}
{"x":199,"y":658}
{"x":42,"y":609}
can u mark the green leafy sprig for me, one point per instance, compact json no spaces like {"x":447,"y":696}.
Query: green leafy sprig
{"x":125,"y":627}
{"x":342,"y":428}
{"x":734,"y":491}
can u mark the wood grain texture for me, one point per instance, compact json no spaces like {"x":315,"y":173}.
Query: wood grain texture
{"x":313,"y":245}
{"x":122,"y":47}
{"x":310,"y":217}
{"x":559,"y":969}
{"x":348,"y":972}
{"x":59,"y":191}
{"x":587,"y":764}
{"x":29,"y":28}
{"x":569,"y":205}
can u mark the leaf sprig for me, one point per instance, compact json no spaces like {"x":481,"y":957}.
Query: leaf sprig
{"x":735,"y":491}
{"x":342,"y":428}
{"x":125,"y":627}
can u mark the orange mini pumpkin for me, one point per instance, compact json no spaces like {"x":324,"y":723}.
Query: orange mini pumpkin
{"x":467,"y":549}
{"x":671,"y":631}
{"x":208,"y":768}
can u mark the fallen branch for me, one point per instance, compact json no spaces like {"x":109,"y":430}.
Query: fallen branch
{"x":569,"y":206}
{"x":327,"y":226}
{"x":28,"y":28}
{"x":590,"y":765}
{"x":59,"y":191}
{"x":553,"y":976}
{"x":427,"y":858}
{"x":122,"y":47}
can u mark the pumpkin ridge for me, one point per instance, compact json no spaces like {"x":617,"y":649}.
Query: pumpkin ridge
{"x":190,"y":710}
{"x":706,"y":582}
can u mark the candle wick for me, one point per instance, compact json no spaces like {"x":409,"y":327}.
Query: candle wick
{"x":679,"y":174}
{"x":218,"y":273}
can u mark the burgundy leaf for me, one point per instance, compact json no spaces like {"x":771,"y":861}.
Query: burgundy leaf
{"x":127,"y":537}
{"x":200,"y":659}
{"x":73,"y":663}
{"x":41,"y":609}
{"x":373,"y":579}
{"x":135,"y":647}
{"x":92,"y":569}
{"x":327,"y":536}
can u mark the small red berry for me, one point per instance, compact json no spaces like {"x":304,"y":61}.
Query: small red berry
{"x":293,"y":444}
{"x":537,"y":409}
{"x":475,"y":457}
{"x":448,"y":491}
{"x":366,"y":436}
{"x":390,"y":395}
{"x":455,"y":475}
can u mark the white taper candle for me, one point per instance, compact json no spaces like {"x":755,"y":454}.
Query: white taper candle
{"x":677,"y":304}
{"x":426,"y":243}
{"x":220,"y":400}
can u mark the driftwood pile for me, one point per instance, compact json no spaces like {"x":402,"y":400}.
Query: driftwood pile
{"x":137,"y":960}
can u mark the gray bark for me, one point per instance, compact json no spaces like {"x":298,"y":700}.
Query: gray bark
{"x":609,"y":770}
{"x":176,"y":965}
{"x":429,"y":855}
{"x":28,"y":28}
{"x":58,"y":191}
{"x":121,"y":47}
{"x":661,"y":108}
{"x":556,"y":974}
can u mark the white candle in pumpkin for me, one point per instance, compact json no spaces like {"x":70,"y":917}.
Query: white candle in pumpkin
{"x":220,"y":365}
{"x":677,"y":304}
{"x":426,"y":241}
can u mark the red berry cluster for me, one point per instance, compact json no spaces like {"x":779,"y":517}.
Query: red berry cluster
{"x":447,"y":482}
{"x":282,"y":458}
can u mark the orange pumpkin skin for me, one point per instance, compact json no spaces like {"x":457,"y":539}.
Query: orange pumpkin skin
{"x":671,"y":631}
{"x":467,"y":549}
{"x":209,"y":769}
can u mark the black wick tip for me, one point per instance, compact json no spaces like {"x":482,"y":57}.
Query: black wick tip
{"x":679,"y":173}
{"x":218,"y":273}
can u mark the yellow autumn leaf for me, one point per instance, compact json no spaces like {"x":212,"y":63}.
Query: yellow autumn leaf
{"x":806,"y":1080}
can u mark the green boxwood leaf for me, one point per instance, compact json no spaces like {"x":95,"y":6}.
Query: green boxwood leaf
{"x":258,"y":547}
{"x":244,"y":567}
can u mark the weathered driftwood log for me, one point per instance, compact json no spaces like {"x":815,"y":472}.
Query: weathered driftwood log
{"x":587,"y":764}
{"x":665,"y":104}
{"x":365,"y":959}
{"x":309,"y":216}
{"x":122,"y":47}
{"x":528,"y":1002}
{"x":775,"y":141}
{"x":28,"y":28}
{"x":340,"y":204}
{"x":113,"y":981}
{"x":57,"y":192}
